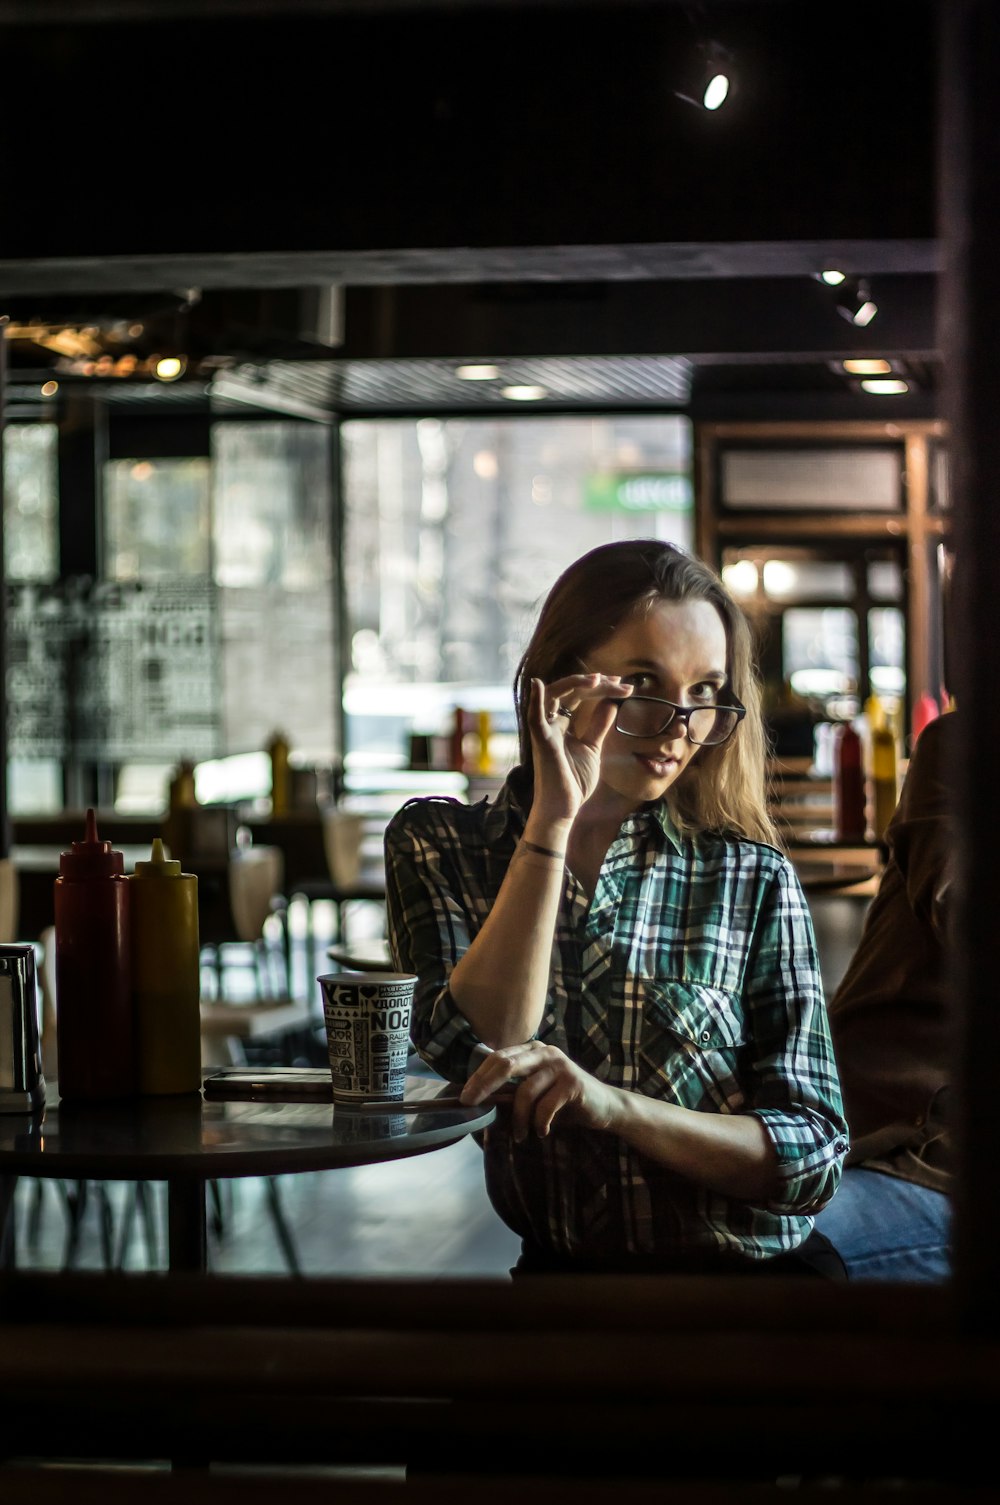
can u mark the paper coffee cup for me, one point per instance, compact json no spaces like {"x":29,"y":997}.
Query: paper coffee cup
{"x":367,"y":1018}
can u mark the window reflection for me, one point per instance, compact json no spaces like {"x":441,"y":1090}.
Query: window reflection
{"x":455,"y":530}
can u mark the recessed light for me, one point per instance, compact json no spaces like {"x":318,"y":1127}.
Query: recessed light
{"x":477,"y":373}
{"x":832,"y":276}
{"x":869,"y":367}
{"x":884,"y":388}
{"x":524,"y":394}
{"x":169,"y":367}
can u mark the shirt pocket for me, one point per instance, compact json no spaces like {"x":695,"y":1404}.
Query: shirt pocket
{"x":692,"y":1044}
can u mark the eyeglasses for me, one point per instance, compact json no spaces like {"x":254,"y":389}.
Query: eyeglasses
{"x":706,"y":725}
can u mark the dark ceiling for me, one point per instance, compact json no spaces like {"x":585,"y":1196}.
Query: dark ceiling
{"x":513,"y":183}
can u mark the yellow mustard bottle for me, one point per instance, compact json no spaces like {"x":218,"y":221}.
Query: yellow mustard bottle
{"x":885,"y":785}
{"x":166,"y":979}
{"x":483,"y":729}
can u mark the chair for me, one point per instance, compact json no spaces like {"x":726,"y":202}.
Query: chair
{"x":75,"y":1196}
{"x":355,"y":875}
{"x":253,"y":879}
{"x":9,"y":900}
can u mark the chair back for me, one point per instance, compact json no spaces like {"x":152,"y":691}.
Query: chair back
{"x":256,"y":876}
{"x":342,"y":834}
{"x":9,"y":901}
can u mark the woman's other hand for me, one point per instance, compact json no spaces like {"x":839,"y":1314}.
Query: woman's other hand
{"x":549,"y":1085}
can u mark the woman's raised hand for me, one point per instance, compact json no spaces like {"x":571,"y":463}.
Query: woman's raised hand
{"x":567,"y":748}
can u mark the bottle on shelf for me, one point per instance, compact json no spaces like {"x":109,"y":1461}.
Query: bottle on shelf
{"x":848,"y":784}
{"x":925,"y":709}
{"x":484,"y":724}
{"x":457,"y":752}
{"x":95,"y":1032}
{"x":278,"y":749}
{"x":884,"y":772}
{"x":163,"y":903}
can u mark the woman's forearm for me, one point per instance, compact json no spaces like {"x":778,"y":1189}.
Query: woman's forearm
{"x":729,"y":1153}
{"x":502,"y":981}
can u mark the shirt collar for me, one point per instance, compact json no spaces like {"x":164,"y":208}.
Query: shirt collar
{"x":508,"y":813}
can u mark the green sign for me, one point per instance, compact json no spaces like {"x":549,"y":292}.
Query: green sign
{"x":649,"y":491}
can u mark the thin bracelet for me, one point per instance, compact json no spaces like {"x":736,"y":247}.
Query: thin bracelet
{"x":532,"y":846}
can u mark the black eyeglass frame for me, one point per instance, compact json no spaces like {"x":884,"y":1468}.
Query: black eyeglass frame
{"x":684,"y":713}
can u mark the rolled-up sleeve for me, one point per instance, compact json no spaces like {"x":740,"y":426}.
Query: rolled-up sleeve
{"x":428,"y":934}
{"x":792,"y":1081}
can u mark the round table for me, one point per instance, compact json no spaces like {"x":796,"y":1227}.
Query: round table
{"x":187,"y":1141}
{"x":363,"y":956}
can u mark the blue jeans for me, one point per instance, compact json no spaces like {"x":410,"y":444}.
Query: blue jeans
{"x":887,"y":1229}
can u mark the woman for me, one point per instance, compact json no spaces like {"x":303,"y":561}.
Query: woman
{"x":617,"y":936}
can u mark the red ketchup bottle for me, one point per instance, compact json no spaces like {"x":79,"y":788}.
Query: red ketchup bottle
{"x":94,"y":1009}
{"x":848,"y":785}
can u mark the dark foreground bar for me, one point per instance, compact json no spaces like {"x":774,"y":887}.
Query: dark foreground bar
{"x":600,"y":1379}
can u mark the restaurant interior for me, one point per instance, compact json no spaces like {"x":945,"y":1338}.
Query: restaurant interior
{"x":333,"y":331}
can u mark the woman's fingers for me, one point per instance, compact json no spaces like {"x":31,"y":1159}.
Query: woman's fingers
{"x":546,"y":1080}
{"x":499,"y":1068}
{"x":568,"y":693}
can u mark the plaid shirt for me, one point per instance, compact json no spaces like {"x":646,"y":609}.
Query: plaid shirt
{"x":691,"y":977}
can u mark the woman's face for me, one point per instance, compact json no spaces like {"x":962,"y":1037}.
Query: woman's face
{"x":675,"y":651}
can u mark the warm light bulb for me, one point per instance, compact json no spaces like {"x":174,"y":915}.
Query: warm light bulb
{"x":867,"y":367}
{"x":866,"y":313}
{"x":485,"y":464}
{"x":169,"y":367}
{"x":741,"y":577}
{"x":780,"y":577}
{"x":50,"y":388}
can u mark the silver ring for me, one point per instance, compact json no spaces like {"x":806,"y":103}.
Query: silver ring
{"x":560,"y":710}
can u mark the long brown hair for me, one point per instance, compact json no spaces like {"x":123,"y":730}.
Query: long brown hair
{"x":723,"y":789}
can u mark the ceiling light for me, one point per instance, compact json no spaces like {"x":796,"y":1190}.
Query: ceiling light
{"x":477,"y":373}
{"x":524,"y":394}
{"x":708,"y":77}
{"x":855,"y":303}
{"x":832,"y":277}
{"x":49,"y":388}
{"x":885,"y":388}
{"x":168,"y":367}
{"x":872,"y":367}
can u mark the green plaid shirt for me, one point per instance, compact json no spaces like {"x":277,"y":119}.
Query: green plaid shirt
{"x":691,"y":977}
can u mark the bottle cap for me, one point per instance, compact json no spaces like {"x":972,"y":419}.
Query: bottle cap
{"x":159,"y":865}
{"x":91,"y":857}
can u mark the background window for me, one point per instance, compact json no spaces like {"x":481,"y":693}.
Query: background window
{"x":456,"y":529}
{"x":157,"y":519}
{"x":273,"y":569}
{"x":31,"y":501}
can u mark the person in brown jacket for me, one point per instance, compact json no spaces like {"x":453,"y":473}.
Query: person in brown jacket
{"x":891,"y":1027}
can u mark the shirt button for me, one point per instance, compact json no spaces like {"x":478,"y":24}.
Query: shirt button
{"x":840,"y":1146}
{"x":706,"y":1035}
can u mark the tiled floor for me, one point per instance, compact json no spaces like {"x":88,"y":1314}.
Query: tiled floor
{"x":426,"y":1216}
